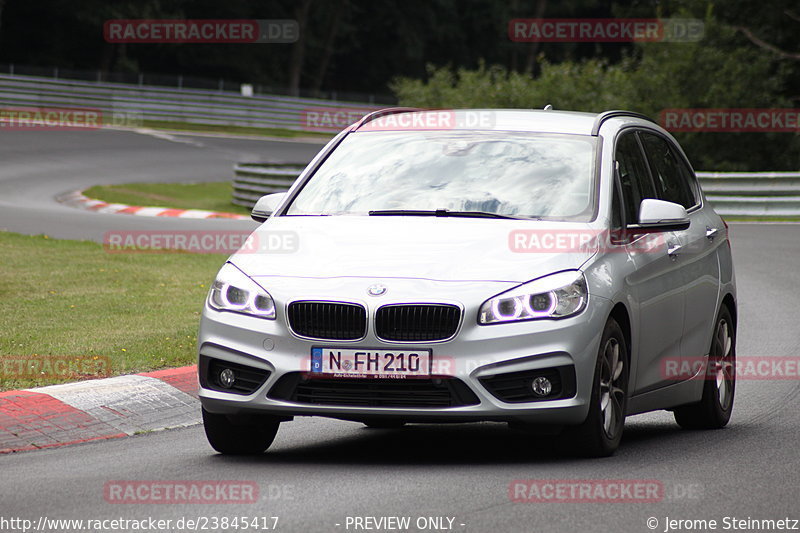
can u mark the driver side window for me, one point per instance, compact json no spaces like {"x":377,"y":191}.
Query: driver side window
{"x":672,"y":177}
{"x":634,"y":178}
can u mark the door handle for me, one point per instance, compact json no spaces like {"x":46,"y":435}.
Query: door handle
{"x":711,"y":233}
{"x":673,"y":249}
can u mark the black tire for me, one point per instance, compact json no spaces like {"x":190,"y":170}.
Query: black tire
{"x":600,"y":434}
{"x":384,"y":423}
{"x":243,"y":436}
{"x":714,"y":409}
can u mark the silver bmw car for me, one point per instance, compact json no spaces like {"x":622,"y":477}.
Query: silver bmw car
{"x":556,"y":271}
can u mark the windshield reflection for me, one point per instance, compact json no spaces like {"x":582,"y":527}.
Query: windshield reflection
{"x":508,"y":173}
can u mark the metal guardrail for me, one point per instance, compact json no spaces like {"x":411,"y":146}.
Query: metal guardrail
{"x":740,"y":194}
{"x":753,"y":194}
{"x":182,"y":81}
{"x":254,"y":180}
{"x":125,"y":105}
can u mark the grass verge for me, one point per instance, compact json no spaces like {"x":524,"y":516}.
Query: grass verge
{"x":213,"y":196}
{"x":760,"y":219}
{"x":73,"y":300}
{"x":235,"y":130}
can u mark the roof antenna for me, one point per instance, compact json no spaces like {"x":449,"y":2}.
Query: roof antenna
{"x":548,"y":107}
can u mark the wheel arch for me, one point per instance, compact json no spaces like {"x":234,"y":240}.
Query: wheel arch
{"x":729,"y":302}
{"x":620,"y":314}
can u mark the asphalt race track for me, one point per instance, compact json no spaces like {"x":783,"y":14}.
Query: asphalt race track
{"x":318,"y":472}
{"x":35,"y":167}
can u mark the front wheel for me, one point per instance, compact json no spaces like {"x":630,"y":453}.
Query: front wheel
{"x":600,"y":434}
{"x":713,"y":411}
{"x":240,"y":436}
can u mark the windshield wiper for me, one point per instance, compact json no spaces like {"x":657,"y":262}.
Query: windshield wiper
{"x":441,"y":213}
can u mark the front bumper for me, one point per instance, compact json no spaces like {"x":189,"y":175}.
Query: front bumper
{"x":473,"y":355}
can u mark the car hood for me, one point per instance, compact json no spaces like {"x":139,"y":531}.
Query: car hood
{"x":434,"y":248}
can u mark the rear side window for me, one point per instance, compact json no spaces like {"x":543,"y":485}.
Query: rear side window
{"x":673,"y":179}
{"x":634,"y":177}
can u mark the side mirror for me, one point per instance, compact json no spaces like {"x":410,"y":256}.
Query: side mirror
{"x":266,"y":205}
{"x":658,"y":215}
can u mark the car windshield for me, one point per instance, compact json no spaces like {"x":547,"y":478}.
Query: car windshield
{"x":520,"y":174}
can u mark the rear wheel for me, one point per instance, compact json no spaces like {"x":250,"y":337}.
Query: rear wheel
{"x":714,"y":410}
{"x":600,"y":434}
{"x":240,"y":435}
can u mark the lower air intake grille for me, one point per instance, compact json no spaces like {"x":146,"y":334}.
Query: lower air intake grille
{"x":363,"y":392}
{"x":247,"y":379}
{"x":515,"y":387}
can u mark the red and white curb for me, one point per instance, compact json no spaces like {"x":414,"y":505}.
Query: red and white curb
{"x":77,"y":199}
{"x":60,"y":415}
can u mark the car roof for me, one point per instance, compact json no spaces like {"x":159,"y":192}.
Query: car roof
{"x":524,"y":120}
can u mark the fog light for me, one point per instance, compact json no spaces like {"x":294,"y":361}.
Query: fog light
{"x":226,"y":378}
{"x":541,"y":386}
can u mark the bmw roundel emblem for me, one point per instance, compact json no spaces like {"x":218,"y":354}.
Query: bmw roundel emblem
{"x":376,"y":290}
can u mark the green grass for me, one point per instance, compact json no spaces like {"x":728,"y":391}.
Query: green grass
{"x":215,"y":196}
{"x":73,"y":299}
{"x":240,"y":130}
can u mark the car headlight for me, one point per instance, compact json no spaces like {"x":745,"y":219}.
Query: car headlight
{"x":555,"y":296}
{"x":234,"y":291}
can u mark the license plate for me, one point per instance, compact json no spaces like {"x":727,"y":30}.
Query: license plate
{"x":346,"y":362}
